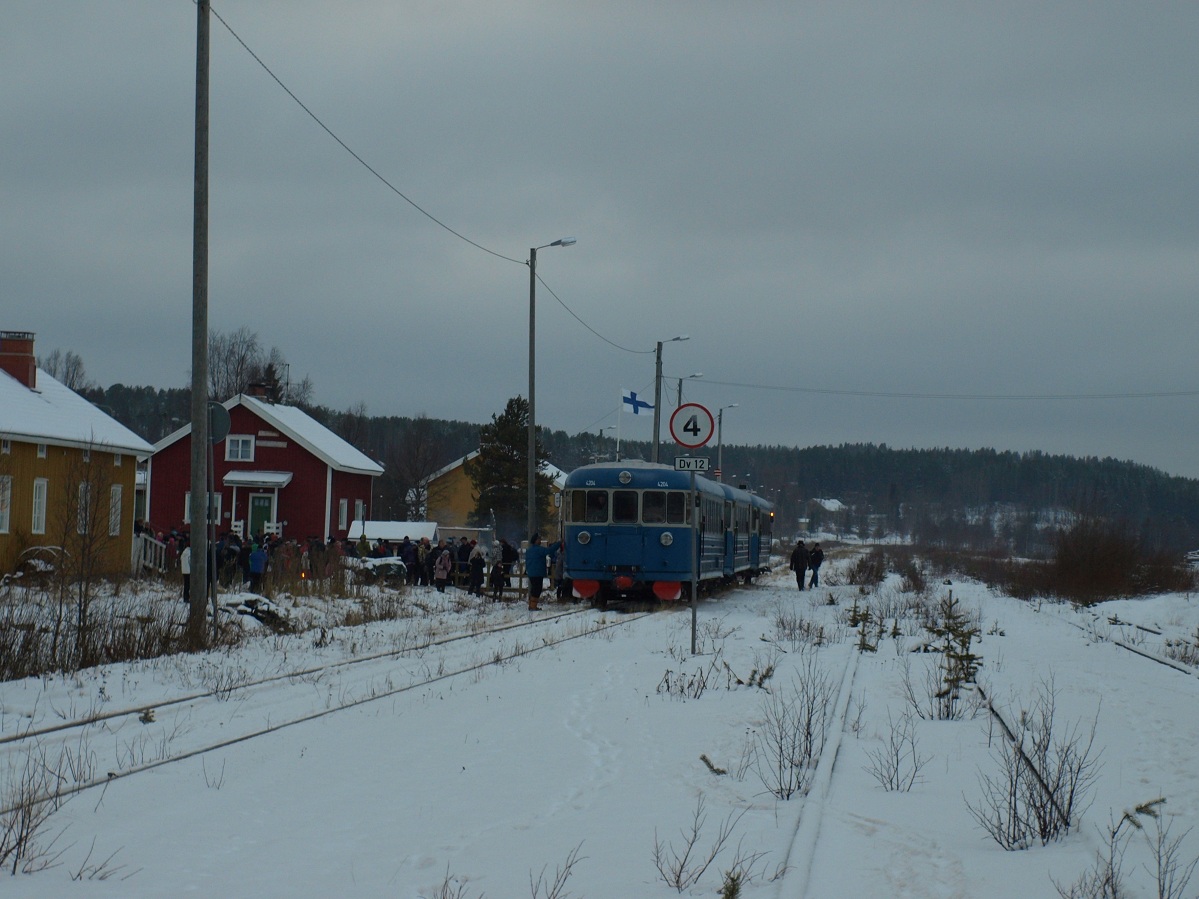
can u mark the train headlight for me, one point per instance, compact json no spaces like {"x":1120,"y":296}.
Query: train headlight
{"x":584,"y":537}
{"x":666,"y":538}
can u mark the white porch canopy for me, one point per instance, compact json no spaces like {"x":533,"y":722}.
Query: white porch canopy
{"x":270,"y":479}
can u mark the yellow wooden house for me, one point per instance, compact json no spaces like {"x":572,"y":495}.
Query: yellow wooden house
{"x":68,"y":471}
{"x":450,"y":495}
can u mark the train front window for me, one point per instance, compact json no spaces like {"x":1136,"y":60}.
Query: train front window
{"x":676,"y":508}
{"x":653,"y":507}
{"x":597,"y":506}
{"x":624,"y":506}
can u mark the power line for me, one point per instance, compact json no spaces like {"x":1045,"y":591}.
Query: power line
{"x":885,"y":394}
{"x":312,"y":115}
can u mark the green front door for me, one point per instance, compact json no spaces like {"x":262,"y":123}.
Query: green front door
{"x":261,"y":505}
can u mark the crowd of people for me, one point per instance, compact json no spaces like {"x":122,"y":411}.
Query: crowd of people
{"x":465,"y":564}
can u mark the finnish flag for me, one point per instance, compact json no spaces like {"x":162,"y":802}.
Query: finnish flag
{"x":630,"y":402}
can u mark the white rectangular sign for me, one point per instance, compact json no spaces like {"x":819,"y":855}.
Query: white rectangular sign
{"x":691,"y":463}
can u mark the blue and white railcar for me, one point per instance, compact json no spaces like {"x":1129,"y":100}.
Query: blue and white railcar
{"x":628,"y":529}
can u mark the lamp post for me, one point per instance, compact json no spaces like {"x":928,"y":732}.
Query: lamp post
{"x":658,"y":390}
{"x":720,"y":439}
{"x":678,"y":401}
{"x":564,"y":242}
{"x":595,"y":457}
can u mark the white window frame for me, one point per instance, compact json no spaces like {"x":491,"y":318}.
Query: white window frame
{"x":116,"y":460}
{"x":359,"y":510}
{"x":5,"y":502}
{"x":5,"y":446}
{"x":114,"y":511}
{"x":239,"y":448}
{"x":41,"y":451}
{"x":343,"y":514}
{"x":214,"y":508}
{"x":41,"y":490}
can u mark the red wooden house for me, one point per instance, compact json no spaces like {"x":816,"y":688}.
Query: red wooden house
{"x":278,"y":472}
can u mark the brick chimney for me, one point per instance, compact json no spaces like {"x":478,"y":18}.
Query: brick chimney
{"x":16,"y":356}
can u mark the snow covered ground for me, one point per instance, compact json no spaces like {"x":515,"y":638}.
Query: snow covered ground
{"x":576,"y":741}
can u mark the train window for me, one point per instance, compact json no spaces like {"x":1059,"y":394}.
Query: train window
{"x":624,"y":505}
{"x":597,"y":506}
{"x":676,"y":508}
{"x":653,"y":507}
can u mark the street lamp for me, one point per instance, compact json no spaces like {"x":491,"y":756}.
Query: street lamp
{"x":599,"y":444}
{"x":658,"y":390}
{"x":679,"y":399}
{"x":720,"y":440}
{"x":564,"y":242}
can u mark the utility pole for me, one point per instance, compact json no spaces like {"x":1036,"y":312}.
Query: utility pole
{"x":200,"y":501}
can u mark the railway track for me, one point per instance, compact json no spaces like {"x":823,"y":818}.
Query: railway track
{"x":1092,"y":630}
{"x":69,"y":748}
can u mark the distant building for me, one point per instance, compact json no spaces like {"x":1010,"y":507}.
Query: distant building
{"x":279,"y":471}
{"x":67,"y":470}
{"x":450,"y":495}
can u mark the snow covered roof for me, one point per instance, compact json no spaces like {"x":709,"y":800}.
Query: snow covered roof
{"x":303,"y":429}
{"x":54,"y":414}
{"x":558,"y":475}
{"x":830,"y":505}
{"x":310,"y":434}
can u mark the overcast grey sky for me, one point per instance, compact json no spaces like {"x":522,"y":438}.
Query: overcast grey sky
{"x":935,"y":224}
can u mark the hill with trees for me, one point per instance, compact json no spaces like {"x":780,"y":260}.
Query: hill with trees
{"x":982,"y":499}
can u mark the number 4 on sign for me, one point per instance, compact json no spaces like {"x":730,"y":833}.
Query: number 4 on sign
{"x":691,"y":425}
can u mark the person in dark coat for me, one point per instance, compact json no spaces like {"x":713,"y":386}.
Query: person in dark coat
{"x":538,"y":562}
{"x":495,"y":581}
{"x":477,"y":564}
{"x":799,"y":562}
{"x":815,"y":557}
{"x":509,"y":556}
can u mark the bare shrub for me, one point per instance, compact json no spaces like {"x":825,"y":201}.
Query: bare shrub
{"x":26,"y":806}
{"x":869,"y":570}
{"x":1045,"y":776}
{"x":682,"y":868}
{"x":896,"y":766}
{"x":543,"y":888}
{"x":794,"y":730}
{"x":791,"y":627}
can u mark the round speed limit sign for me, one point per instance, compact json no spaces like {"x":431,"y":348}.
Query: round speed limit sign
{"x":692,"y":425}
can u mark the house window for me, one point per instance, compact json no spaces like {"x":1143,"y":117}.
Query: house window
{"x":87,"y":455}
{"x":5,"y":502}
{"x":83,"y":513}
{"x":5,"y":447}
{"x":239,"y":448}
{"x":359,"y":510}
{"x":343,"y":514}
{"x":116,"y":460}
{"x":41,"y":451}
{"x":114,"y":510}
{"x":40,"y":488}
{"x":214,"y":507}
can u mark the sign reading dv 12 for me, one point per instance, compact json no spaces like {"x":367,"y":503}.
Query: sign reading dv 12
{"x":691,"y":463}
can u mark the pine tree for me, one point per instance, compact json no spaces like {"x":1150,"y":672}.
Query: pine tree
{"x":954,"y":634}
{"x":500,"y":473}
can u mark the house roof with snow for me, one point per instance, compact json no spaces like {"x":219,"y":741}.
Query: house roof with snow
{"x":303,"y":429}
{"x":53,"y":413}
{"x":558,"y":475}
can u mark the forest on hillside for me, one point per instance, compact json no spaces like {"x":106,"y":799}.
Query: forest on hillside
{"x":981,"y":499}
